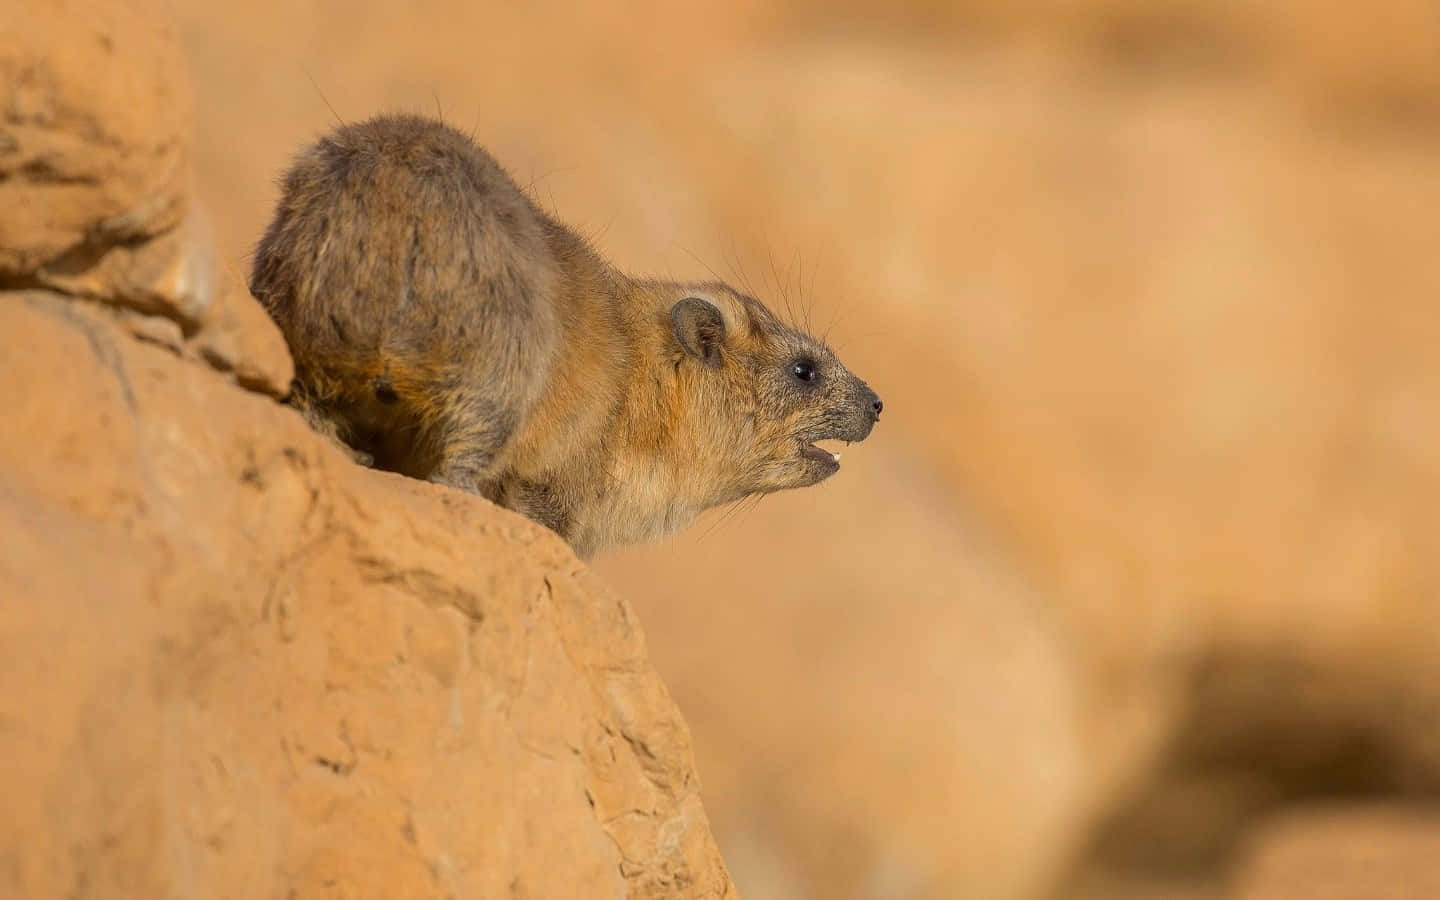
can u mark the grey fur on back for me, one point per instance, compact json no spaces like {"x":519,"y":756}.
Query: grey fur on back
{"x":403,"y":259}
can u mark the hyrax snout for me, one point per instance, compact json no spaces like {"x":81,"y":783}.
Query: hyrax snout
{"x":447,"y":328}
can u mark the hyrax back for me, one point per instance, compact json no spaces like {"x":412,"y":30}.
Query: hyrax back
{"x":415,"y":285}
{"x":447,"y":328}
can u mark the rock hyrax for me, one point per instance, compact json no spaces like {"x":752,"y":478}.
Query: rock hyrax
{"x":445,"y":327}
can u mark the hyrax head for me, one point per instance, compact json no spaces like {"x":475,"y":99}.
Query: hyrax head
{"x":762,"y":393}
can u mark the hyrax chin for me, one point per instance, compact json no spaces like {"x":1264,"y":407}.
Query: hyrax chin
{"x":446,"y":328}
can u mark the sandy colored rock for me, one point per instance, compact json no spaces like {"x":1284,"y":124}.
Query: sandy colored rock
{"x":239,"y":337}
{"x":1366,"y":852}
{"x":95,"y":165}
{"x":232,"y":663}
{"x":235,"y":664}
{"x":95,"y":129}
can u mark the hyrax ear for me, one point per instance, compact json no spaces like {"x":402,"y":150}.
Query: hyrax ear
{"x":699,"y":328}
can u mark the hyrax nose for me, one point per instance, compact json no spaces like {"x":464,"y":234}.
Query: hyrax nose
{"x":876,"y":404}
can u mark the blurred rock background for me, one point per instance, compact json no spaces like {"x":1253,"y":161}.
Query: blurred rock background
{"x":1135,"y":592}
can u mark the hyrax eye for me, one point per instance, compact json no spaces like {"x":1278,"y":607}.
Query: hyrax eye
{"x":803,"y":370}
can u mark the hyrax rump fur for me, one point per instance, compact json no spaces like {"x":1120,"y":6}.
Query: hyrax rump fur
{"x":447,"y":328}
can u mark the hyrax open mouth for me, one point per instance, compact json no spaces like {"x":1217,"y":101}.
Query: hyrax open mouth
{"x":820,"y":454}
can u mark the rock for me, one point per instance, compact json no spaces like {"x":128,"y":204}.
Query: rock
{"x":95,"y":163}
{"x":232,"y":662}
{"x":239,"y":337}
{"x":94,"y":139}
{"x":237,"y":663}
{"x":1358,"y":852}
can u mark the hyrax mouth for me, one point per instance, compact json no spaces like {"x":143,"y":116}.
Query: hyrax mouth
{"x":820,"y":454}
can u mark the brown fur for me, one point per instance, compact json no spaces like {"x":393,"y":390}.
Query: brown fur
{"x":447,"y":328}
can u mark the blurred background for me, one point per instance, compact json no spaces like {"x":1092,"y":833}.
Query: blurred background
{"x":1135,"y":592}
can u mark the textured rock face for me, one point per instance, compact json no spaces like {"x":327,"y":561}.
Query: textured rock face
{"x":95,"y":178}
{"x":237,"y":665}
{"x":95,"y":155}
{"x":232,"y":663}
